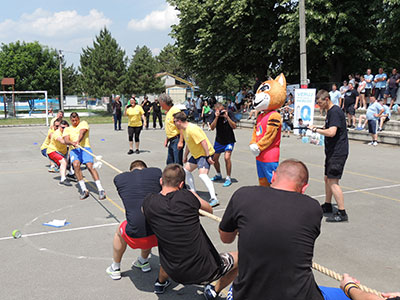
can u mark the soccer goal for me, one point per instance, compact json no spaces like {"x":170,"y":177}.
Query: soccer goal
{"x":26,"y":104}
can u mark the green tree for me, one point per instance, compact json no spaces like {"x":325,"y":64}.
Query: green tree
{"x":169,"y":61}
{"x":103,"y":66}
{"x":71,"y":81}
{"x":34,"y":67}
{"x":141,"y":73}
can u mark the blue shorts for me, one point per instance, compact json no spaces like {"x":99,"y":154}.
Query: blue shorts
{"x":285,"y":126}
{"x":44,"y":152}
{"x":201,"y":162}
{"x":82,"y":156}
{"x":219,"y":148}
{"x":329,"y":293}
{"x":373,"y":126}
{"x":265,"y":169}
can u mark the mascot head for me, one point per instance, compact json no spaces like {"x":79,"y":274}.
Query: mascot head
{"x":271,"y":94}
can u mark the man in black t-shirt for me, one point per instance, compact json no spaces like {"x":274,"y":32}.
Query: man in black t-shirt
{"x":336,"y":152}
{"x":277,"y":227}
{"x":133,"y":187}
{"x":157,"y":114}
{"x":225,"y":122}
{"x":350,"y":99}
{"x":186,"y":253}
{"x":147,"y":106}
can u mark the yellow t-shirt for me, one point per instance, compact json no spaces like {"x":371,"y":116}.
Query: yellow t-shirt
{"x":135,"y":116}
{"x":73,"y":133}
{"x":46,"y":140}
{"x":193,"y":135}
{"x":56,"y":145}
{"x":52,"y":121}
{"x":170,"y":128}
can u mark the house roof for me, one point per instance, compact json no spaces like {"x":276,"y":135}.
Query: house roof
{"x":176,"y":78}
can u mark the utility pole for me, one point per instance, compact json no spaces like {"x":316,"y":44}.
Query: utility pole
{"x":61,"y":56}
{"x":303,"y":50}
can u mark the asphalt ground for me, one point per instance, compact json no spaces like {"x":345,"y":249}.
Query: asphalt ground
{"x":70,"y":262}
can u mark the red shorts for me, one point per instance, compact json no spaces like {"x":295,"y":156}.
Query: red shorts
{"x":137,"y":243}
{"x":56,"y":157}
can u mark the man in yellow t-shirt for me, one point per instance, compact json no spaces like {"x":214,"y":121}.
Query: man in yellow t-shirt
{"x":201,"y":149}
{"x":60,"y":116}
{"x":78,"y":134}
{"x":174,"y":140}
{"x":136,"y":119}
{"x":57,"y":150}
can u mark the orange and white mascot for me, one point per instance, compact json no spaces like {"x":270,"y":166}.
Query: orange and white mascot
{"x":266,"y":138}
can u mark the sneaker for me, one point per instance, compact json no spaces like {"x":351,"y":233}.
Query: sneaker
{"x":359,"y":128}
{"x":72,"y":177}
{"x":130,"y":151}
{"x":352,"y":126}
{"x":145,"y":267}
{"x":209,"y":292}
{"x":114,"y":274}
{"x":84,"y":194}
{"x":137,"y":151}
{"x":337,"y":217}
{"x":216,"y":178}
{"x":327,"y":208}
{"x":380,"y":129}
{"x":371,"y":143}
{"x":375,"y":143}
{"x":102,"y":195}
{"x":159,"y":288}
{"x":213,"y":202}
{"x":227,"y":182}
{"x":51,"y":169}
{"x":65,"y":183}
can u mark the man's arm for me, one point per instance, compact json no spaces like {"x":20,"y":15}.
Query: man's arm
{"x":204,"y":144}
{"x":227,"y":237}
{"x":213,"y":124}
{"x":204,"y":205}
{"x":329,"y":132}
{"x":185,"y":155}
{"x":82,"y":133}
{"x":349,"y":285}
{"x":230,"y":122}
{"x":180,"y":143}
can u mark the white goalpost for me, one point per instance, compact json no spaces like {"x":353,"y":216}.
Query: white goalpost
{"x":4,"y":93}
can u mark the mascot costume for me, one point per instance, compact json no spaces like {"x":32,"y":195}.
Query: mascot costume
{"x":266,"y":138}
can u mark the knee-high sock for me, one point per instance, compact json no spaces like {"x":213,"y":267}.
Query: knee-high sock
{"x":190,"y":180}
{"x":209,"y":184}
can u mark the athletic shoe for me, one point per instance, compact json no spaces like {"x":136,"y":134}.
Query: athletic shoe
{"x":65,"y":183}
{"x":84,"y":194}
{"x":371,"y":143}
{"x":72,"y":177}
{"x":327,"y":208}
{"x":227,"y":182}
{"x":359,"y":128}
{"x":209,"y":292}
{"x":352,"y":126}
{"x":375,"y":143}
{"x":144,"y":267}
{"x":102,"y":195}
{"x":130,"y":151}
{"x":380,"y":129}
{"x":53,"y":170}
{"x":337,"y":217}
{"x":213,"y":202}
{"x":137,"y":151}
{"x":216,"y":178}
{"x":114,"y":274}
{"x":159,"y":288}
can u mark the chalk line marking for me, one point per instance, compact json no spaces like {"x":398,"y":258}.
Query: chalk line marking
{"x":363,"y":190}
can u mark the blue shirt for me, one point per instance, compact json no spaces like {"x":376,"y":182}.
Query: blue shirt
{"x":387,"y":111}
{"x":335,"y":96}
{"x":373,"y":108}
{"x":240,"y":97}
{"x":381,"y":84}
{"x":369,"y":84}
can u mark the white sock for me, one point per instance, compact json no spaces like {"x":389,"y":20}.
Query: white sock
{"x":116,"y":266}
{"x":82,"y":185}
{"x":71,"y":171}
{"x":228,"y":177}
{"x":209,"y":184}
{"x":98,"y":184}
{"x":219,"y":174}
{"x":62,"y":178}
{"x":142,"y":260}
{"x":190,"y":180}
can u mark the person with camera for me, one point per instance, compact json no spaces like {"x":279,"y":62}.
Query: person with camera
{"x":224,"y":121}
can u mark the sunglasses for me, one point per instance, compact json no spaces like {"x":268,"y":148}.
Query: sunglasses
{"x":56,"y":126}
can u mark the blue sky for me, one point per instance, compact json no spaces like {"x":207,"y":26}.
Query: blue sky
{"x":72,"y":25}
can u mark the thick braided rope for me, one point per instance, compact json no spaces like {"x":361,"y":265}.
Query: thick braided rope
{"x":315,"y":266}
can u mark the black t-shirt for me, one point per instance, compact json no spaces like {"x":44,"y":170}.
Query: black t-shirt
{"x":285,"y":116}
{"x":337,"y":145}
{"x":146,"y":106}
{"x":133,"y":187}
{"x":277,"y":231}
{"x":116,"y":106}
{"x":350,"y":97}
{"x":225,"y":133}
{"x":392,"y":80}
{"x":186,"y":253}
{"x":156,"y":107}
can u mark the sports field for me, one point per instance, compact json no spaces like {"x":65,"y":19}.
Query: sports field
{"x":70,"y":262}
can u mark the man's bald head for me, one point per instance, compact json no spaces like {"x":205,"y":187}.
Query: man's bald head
{"x":291,"y":173}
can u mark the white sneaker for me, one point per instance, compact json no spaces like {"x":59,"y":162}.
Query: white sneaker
{"x":370,"y":143}
{"x":114,"y":274}
{"x":375,"y":143}
{"x":145,"y":267}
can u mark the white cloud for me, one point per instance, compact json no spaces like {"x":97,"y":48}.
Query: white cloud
{"x":158,"y":20}
{"x":43,"y":23}
{"x":155,"y":51}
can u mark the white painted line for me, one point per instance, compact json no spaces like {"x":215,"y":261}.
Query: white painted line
{"x":363,"y":190}
{"x":59,"y":231}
